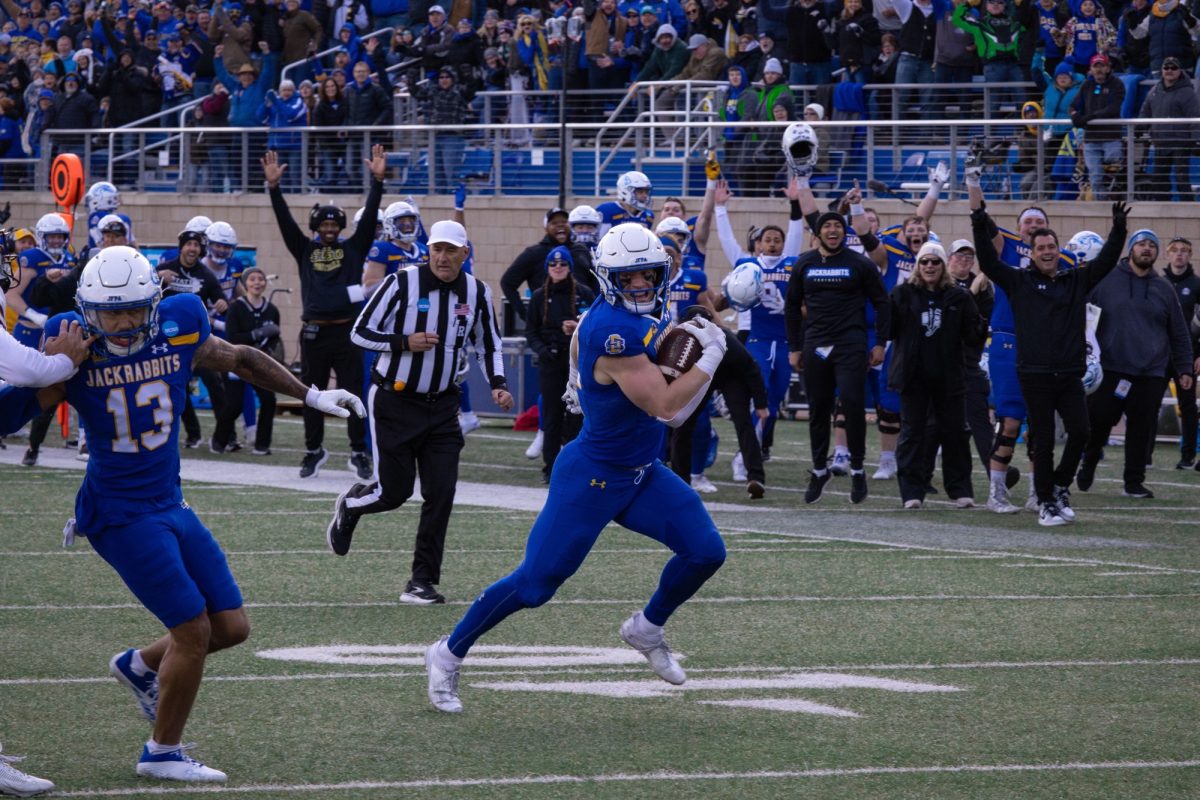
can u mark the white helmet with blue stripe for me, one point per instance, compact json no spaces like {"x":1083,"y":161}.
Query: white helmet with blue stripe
{"x":626,"y":250}
{"x":119,"y":278}
{"x":103,"y":196}
{"x":628,"y":186}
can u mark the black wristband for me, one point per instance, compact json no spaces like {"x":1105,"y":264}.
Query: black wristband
{"x":796,"y":212}
{"x":869,"y":241}
{"x":499,"y":382}
{"x":400,"y":342}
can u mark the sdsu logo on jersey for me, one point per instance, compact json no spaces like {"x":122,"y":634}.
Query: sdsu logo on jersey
{"x":614,"y":345}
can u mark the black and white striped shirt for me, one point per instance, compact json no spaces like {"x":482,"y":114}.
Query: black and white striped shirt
{"x":414,"y":300}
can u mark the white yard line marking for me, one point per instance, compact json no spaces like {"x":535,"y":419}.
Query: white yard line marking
{"x":938,"y":549}
{"x":472,"y":672}
{"x":621,"y":777}
{"x":912,"y":598}
{"x":1130,"y":572}
{"x":953,"y":558}
{"x":321,"y":552}
{"x":783,"y":704}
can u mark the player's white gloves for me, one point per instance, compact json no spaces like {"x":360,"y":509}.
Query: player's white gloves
{"x":337,"y":402}
{"x":973,"y":170}
{"x":712,"y":339}
{"x":35,"y":318}
{"x":938,"y":175}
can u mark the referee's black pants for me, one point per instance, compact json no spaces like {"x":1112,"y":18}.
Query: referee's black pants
{"x":1139,"y":402}
{"x":414,"y":434}
{"x":844,"y":373}
{"x":1046,"y":393}
{"x":332,"y":350}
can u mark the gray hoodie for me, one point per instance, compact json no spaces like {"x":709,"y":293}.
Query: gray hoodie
{"x":1142,"y":331}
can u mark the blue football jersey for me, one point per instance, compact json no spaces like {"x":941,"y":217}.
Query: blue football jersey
{"x":767,"y":320}
{"x":615,"y":431}
{"x":395,"y":257}
{"x":613,"y":213}
{"x":129,"y":407}
{"x":685,"y":290}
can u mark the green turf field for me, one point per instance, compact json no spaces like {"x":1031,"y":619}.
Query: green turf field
{"x":842,"y":652}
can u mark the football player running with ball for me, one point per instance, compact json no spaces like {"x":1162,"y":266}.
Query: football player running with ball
{"x":129,"y":395}
{"x":611,"y":471}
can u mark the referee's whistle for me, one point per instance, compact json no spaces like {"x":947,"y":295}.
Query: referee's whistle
{"x":398,"y":386}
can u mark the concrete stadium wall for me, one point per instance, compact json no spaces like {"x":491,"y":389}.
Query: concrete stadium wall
{"x":500,"y":227}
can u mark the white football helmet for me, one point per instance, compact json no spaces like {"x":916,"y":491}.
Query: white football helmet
{"x":358,"y":215}
{"x":800,"y":147}
{"x":675,"y":227}
{"x":52,"y":225}
{"x":401,"y":222}
{"x":110,"y":220}
{"x":743,"y":287}
{"x":628,"y":186}
{"x":626,"y":249}
{"x":585,"y":215}
{"x":222,"y":241}
{"x":116,"y":279}
{"x":198,"y":224}
{"x":1085,"y":246}
{"x":102,"y":196}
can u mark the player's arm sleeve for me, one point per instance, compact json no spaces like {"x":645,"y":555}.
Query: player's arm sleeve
{"x":729,"y":242}
{"x":24,"y":366}
{"x":793,"y":243}
{"x":487,"y":331}
{"x":686,"y":412}
{"x":18,"y":405}
{"x":793,"y":310}
{"x":878,"y":297}
{"x":377,"y":327}
{"x":293,"y":237}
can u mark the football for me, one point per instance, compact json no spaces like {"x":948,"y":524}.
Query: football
{"x":679,"y":352}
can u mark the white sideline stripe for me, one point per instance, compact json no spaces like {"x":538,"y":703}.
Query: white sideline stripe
{"x":1002,"y":553}
{"x":783,"y":704}
{"x":621,"y":777}
{"x":467,"y":551}
{"x":901,"y":598}
{"x":950,"y":558}
{"x":640,"y":670}
{"x":1129,"y":572}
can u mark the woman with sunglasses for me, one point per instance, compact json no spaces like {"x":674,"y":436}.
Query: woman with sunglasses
{"x":931,"y":319}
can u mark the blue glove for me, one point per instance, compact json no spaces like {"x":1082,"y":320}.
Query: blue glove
{"x":460,"y":197}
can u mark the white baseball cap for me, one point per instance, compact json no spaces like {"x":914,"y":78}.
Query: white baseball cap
{"x":437,"y":10}
{"x":449,"y":232}
{"x":960,"y":244}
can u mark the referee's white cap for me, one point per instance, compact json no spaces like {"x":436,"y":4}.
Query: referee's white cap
{"x":449,"y":232}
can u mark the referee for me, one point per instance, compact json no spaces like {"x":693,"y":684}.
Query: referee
{"x":421,"y":320}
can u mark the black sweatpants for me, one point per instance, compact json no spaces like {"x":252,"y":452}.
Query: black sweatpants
{"x":414,"y":434}
{"x":332,"y":351}
{"x":552,"y":382}
{"x":843,"y":372}
{"x":916,"y":406}
{"x":1186,"y":398}
{"x":1139,"y":402}
{"x":739,"y":402}
{"x":1046,"y":393}
{"x":235,"y":390}
{"x":40,"y":426}
{"x":979,"y":421}
{"x":216,"y":396}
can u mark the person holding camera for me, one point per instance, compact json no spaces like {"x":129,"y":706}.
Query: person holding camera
{"x":554,"y":312}
{"x":252,"y":320}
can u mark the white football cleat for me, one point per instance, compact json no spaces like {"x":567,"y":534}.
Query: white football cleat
{"x":468,"y":421}
{"x":702,"y":484}
{"x":998,"y":502}
{"x":887,"y":470}
{"x":535,"y":447}
{"x":443,"y":683}
{"x":739,"y":469}
{"x":177,"y":765}
{"x":656,"y":651}
{"x":840,"y":464}
{"x":20,"y":784}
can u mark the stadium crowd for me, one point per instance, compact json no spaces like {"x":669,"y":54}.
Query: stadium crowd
{"x":82,"y":65}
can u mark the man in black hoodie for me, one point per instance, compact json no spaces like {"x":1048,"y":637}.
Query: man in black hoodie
{"x":530,"y":266}
{"x":1143,"y":337}
{"x":1187,"y":288}
{"x":331,"y":293}
{"x":825,"y":310}
{"x":1050,"y":311}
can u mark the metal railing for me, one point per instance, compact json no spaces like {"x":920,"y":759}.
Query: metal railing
{"x":283,"y":73}
{"x":1018,"y":164}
